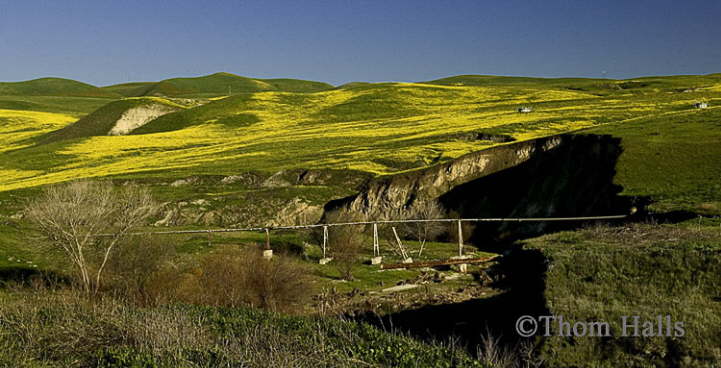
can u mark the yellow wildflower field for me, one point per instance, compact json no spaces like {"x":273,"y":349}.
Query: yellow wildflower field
{"x":382,"y":129}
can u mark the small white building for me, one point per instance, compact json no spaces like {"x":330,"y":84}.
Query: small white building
{"x":701,"y":105}
{"x":525,"y":109}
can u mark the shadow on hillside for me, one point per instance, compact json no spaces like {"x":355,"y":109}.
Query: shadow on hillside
{"x":571,"y":180}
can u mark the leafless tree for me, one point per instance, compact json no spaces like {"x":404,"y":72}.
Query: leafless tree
{"x":73,"y":216}
{"x":426,"y":210}
{"x":420,"y":231}
{"x":346,"y":242}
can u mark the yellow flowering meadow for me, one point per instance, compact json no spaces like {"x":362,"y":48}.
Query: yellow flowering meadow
{"x":382,"y":129}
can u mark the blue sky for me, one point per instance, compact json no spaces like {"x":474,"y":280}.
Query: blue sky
{"x":337,"y":41}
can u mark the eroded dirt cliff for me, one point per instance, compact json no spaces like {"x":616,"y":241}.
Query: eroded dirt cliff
{"x":566,"y":175}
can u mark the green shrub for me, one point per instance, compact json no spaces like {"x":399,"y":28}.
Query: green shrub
{"x":50,"y":329}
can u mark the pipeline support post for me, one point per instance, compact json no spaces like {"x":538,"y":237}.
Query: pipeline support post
{"x":377,"y":259}
{"x":376,"y":246}
{"x":325,"y":259}
{"x":325,"y":240}
{"x":267,"y":238}
{"x":267,"y":252}
{"x":460,"y":238}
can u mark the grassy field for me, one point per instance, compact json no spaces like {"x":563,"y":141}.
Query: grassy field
{"x":75,"y":106}
{"x":380,"y":129}
{"x":360,"y":131}
{"x":603,"y":273}
{"x":59,"y":329}
{"x":673,"y":159}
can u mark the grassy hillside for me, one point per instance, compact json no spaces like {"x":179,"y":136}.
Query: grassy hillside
{"x":675,"y":159}
{"x":218,"y":84}
{"x":133,"y":89}
{"x":53,"y":87}
{"x":19,"y":127}
{"x":603,"y":273}
{"x":388,"y":128}
{"x":75,"y":106}
{"x":601,"y":87}
{"x":101,"y":121}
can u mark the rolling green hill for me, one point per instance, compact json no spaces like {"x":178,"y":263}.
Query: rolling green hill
{"x":644,"y":85}
{"x":53,"y":87}
{"x":218,"y":84}
{"x":76,"y":106}
{"x":103,"y":120}
{"x":133,"y":89}
{"x":378,"y":129}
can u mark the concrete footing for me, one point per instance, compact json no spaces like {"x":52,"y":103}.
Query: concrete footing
{"x":268,"y":254}
{"x":463,"y":267}
{"x":408,"y":260}
{"x":376,"y":260}
{"x":325,"y":260}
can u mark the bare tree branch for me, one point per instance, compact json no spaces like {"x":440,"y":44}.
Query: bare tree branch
{"x":71,"y":217}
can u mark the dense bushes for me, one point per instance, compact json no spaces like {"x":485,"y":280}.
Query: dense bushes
{"x":234,"y":277}
{"x":90,"y":224}
{"x":225,"y":277}
{"x":135,"y":267}
{"x":66,"y":329}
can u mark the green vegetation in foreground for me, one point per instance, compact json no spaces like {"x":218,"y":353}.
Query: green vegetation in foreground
{"x":218,"y":84}
{"x":56,"y":326}
{"x":22,"y":252}
{"x":603,"y":273}
{"x":674,"y":159}
{"x":62,"y":329}
{"x":53,"y":87}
